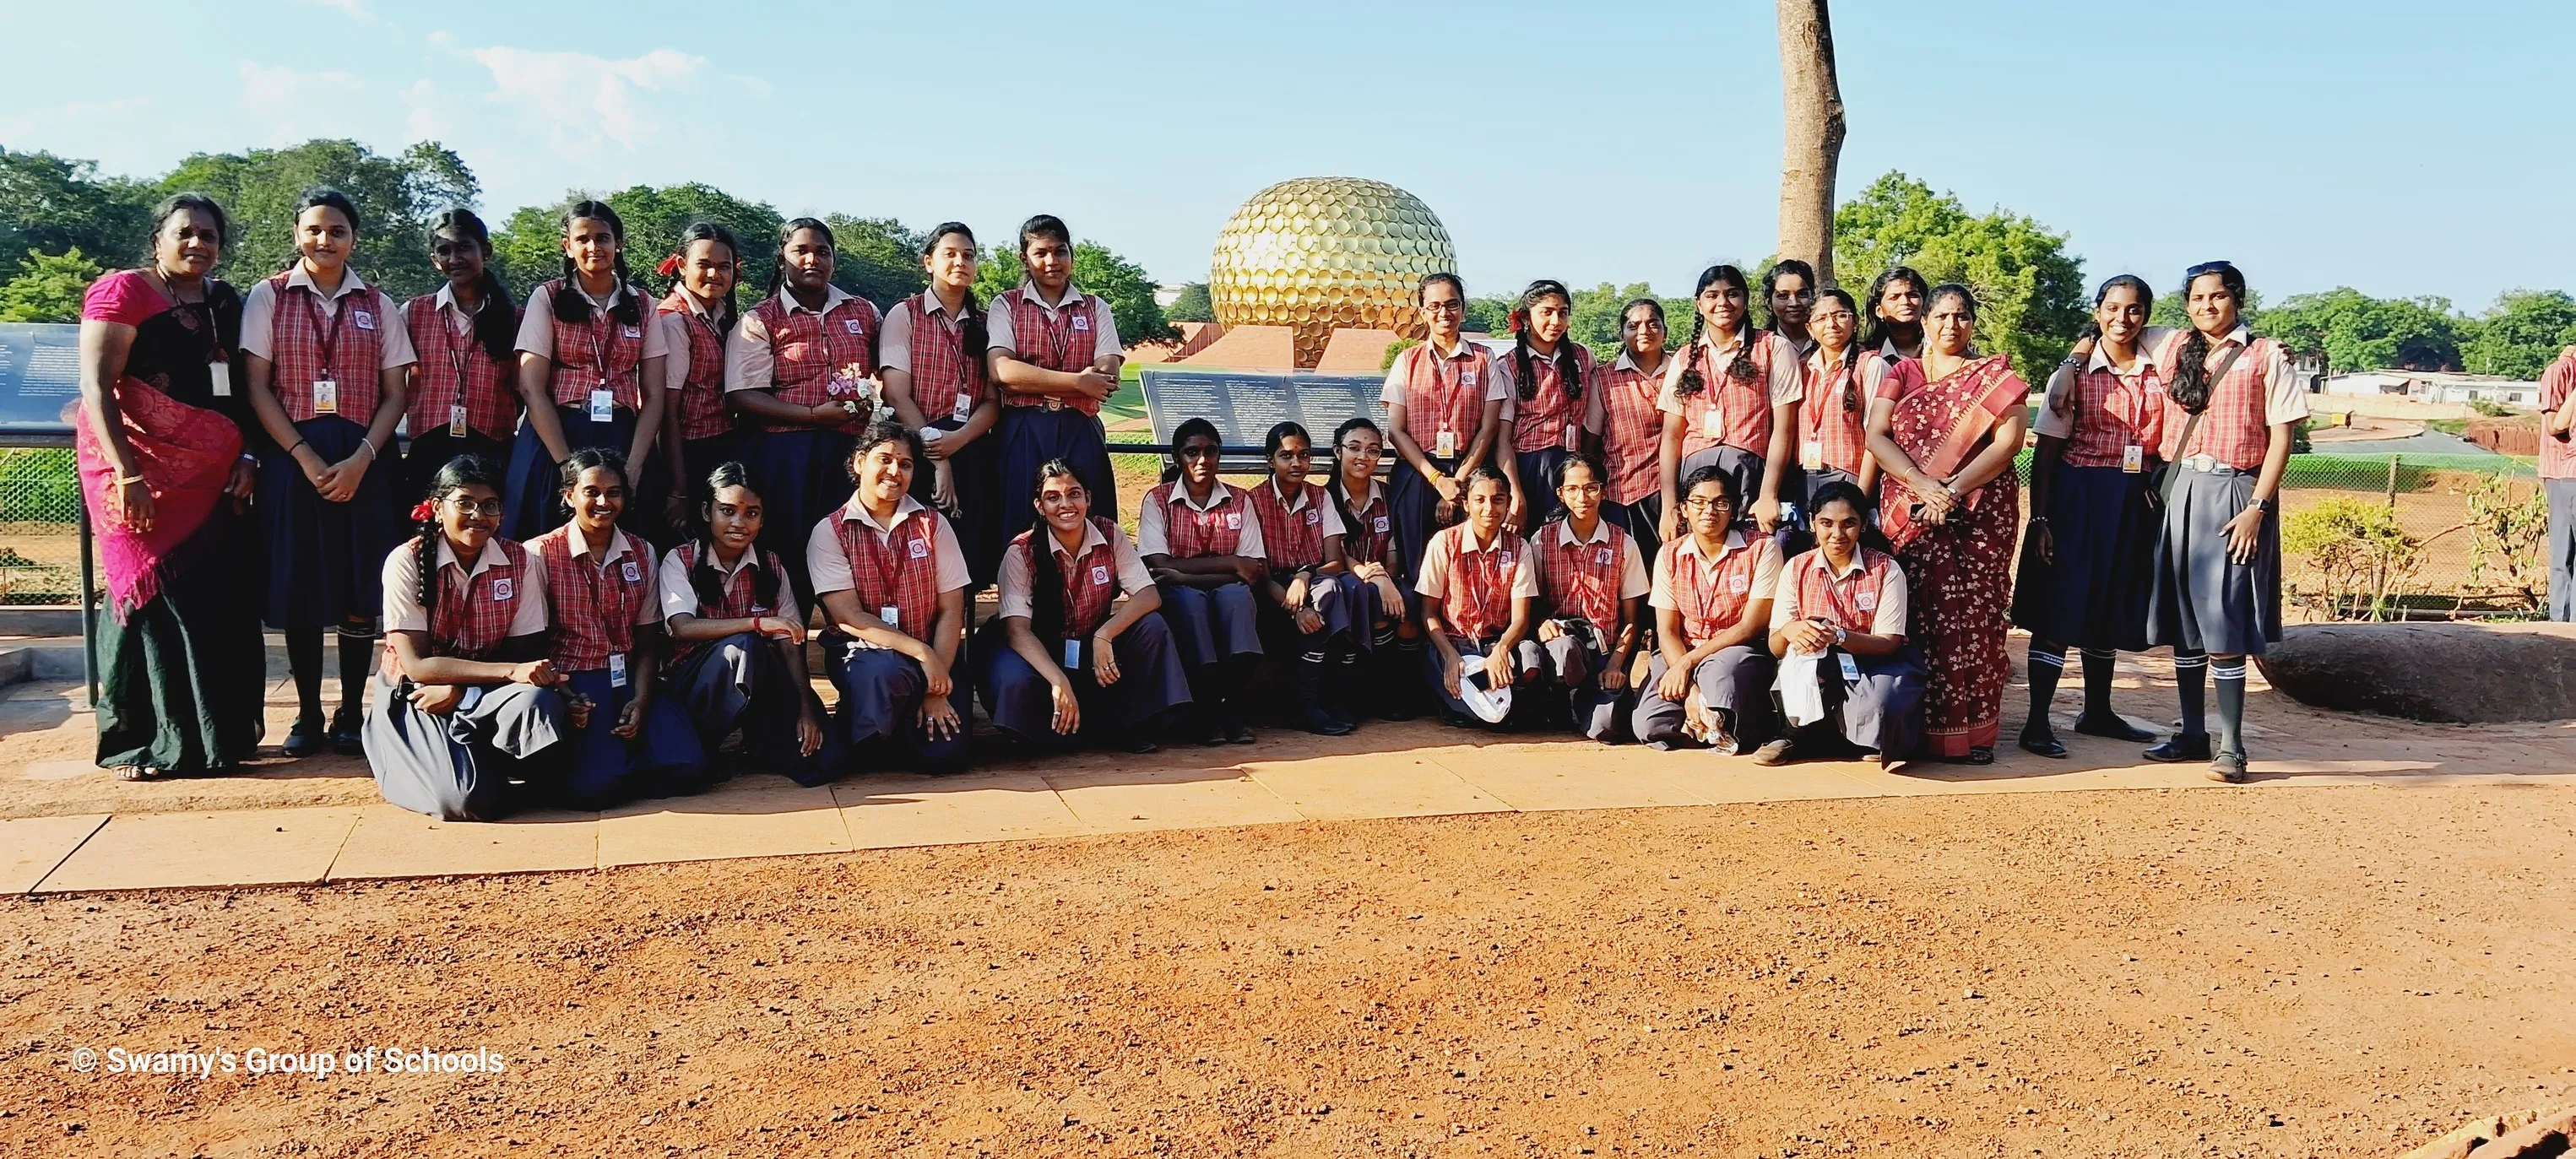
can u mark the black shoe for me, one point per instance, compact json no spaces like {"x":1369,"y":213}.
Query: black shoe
{"x":2183,"y":747}
{"x":344,"y":730}
{"x":1978,"y":755}
{"x":1138,"y":745}
{"x":1319,"y":722}
{"x":1198,"y":725}
{"x":1778,"y":752}
{"x":305,"y":738}
{"x":2228,"y":768}
{"x":2111,"y":726}
{"x":1453,"y":719}
{"x":2044,"y":743}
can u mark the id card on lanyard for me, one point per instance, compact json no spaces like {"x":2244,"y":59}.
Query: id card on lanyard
{"x":326,"y":332}
{"x":458,"y":359}
{"x":603,"y":401}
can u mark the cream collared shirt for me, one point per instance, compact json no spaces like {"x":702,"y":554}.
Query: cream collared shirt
{"x":1127,"y":568}
{"x":375,"y":312}
{"x":1153,"y":524}
{"x":405,"y":613}
{"x":749,"y":361}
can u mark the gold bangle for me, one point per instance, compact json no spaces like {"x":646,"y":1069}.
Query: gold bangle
{"x":128,"y":480}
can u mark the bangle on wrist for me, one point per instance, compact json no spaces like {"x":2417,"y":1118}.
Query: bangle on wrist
{"x":129,"y":480}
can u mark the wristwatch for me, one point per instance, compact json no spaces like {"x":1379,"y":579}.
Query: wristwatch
{"x":1840,"y":635}
{"x":2264,"y":505}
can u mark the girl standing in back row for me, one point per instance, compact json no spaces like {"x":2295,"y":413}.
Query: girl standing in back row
{"x":590,"y":369}
{"x":1547,"y":410}
{"x":326,"y":361}
{"x":1444,"y":405}
{"x":801,"y":364}
{"x":1055,"y":352}
{"x":697,"y":319}
{"x":933,"y":357}
{"x":1632,"y":425}
{"x":1833,"y":440}
{"x":464,"y":397}
{"x":2230,"y":414}
{"x":1730,"y":399}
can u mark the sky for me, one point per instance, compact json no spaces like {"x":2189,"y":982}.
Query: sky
{"x":2400,"y":148}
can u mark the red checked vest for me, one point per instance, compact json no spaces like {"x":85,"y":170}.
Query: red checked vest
{"x":1192,"y":533}
{"x":1066,"y":340}
{"x":1445,"y":392}
{"x":1712,"y":594}
{"x":2112,"y":414}
{"x":1743,"y":408}
{"x":304,"y":346}
{"x":472,"y":618}
{"x":2232,"y":429}
{"x":813,"y":349}
{"x":900,"y":573}
{"x":1479,"y":602}
{"x":1089,"y":587}
{"x":1582,"y":579}
{"x":741,"y":592}
{"x":1365,"y":536}
{"x":593,"y":608}
{"x":1852,"y":602}
{"x":1293,"y":539}
{"x":1633,"y":436}
{"x":941,"y":372}
{"x":601,"y":348}
{"x":700,"y":395}
{"x":453,"y":365}
{"x":1823,"y":417}
{"x":1544,"y":416}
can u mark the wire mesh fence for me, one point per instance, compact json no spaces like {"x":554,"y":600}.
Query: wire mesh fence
{"x":2363,"y":536}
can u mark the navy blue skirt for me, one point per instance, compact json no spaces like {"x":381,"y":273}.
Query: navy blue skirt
{"x":604,"y":770}
{"x":802,"y":476}
{"x":977,"y":518}
{"x":1537,"y":471}
{"x":532,"y":502}
{"x":432,"y":451}
{"x":1031,"y":435}
{"x":2095,"y":593}
{"x":1415,"y":505}
{"x":326,"y":560}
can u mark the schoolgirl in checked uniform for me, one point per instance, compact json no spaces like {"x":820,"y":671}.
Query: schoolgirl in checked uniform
{"x":1444,"y":412}
{"x":1551,"y":409}
{"x":1730,"y":399}
{"x":1054,"y":351}
{"x":1308,"y":595}
{"x":1593,"y":581}
{"x":464,"y":396}
{"x":590,"y":370}
{"x":733,"y":615}
{"x":1632,"y":425}
{"x":933,"y":364}
{"x":892,"y":581}
{"x":697,"y":319}
{"x":2231,"y":409}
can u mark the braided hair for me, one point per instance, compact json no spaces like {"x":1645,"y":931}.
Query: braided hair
{"x":1334,"y":487}
{"x":709,"y":231}
{"x":1048,"y":603}
{"x":496,"y":330}
{"x":787,"y":233}
{"x":1743,"y":368}
{"x":2191,"y":385}
{"x":1878,"y":334}
{"x":971,"y":333}
{"x":459,"y":472}
{"x":1569,"y":371}
{"x":704,"y":579}
{"x":575,"y":307}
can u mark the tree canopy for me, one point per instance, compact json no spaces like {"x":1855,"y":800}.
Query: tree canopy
{"x":2030,"y":292}
{"x":2353,"y":330}
{"x":397,"y":198}
{"x":1194,"y":305}
{"x":48,"y":287}
{"x":51,"y":205}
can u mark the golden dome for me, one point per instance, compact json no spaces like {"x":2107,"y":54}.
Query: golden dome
{"x":1319,"y":254}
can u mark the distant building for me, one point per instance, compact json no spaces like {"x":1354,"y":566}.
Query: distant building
{"x":2436,"y":386}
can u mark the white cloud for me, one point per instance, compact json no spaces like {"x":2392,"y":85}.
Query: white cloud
{"x":43,"y":122}
{"x":297,"y":104}
{"x":583,"y":99}
{"x":429,"y":120}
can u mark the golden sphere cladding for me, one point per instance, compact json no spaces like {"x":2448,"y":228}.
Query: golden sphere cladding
{"x":1317,"y":254}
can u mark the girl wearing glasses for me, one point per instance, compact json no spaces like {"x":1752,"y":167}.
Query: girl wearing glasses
{"x":1203,"y":544}
{"x":1594,"y":580}
{"x":1632,"y":430}
{"x":1710,"y":682}
{"x":466,"y":700}
{"x":1444,"y":405}
{"x":1387,"y":643}
{"x":1306,"y":610}
{"x":1065,"y":662}
{"x":1730,"y":399}
{"x":2231,"y":408}
{"x":1833,"y":445}
{"x":2089,"y":550}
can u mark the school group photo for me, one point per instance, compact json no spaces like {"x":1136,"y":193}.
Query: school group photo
{"x":571,"y":551}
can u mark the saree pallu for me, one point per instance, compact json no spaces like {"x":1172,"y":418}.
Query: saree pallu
{"x":182,"y":664}
{"x":1959,"y":571}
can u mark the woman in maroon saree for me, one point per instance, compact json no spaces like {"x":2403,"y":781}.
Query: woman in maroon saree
{"x":159,"y":441}
{"x":1945,"y":427}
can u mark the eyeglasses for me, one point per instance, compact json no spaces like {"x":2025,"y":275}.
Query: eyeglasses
{"x":1363,"y":450}
{"x":488,"y":509}
{"x":1199,"y":452}
{"x":1695,"y":503}
{"x":1445,"y":307}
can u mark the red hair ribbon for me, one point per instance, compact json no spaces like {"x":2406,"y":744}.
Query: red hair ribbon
{"x":670,"y":266}
{"x":423,"y":511}
{"x":1516,"y":320}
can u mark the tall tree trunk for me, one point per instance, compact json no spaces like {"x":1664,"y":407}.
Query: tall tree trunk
{"x":1813,"y":104}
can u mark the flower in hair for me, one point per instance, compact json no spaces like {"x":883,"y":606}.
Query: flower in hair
{"x":1515,"y":320}
{"x":670,"y":266}
{"x":423,"y":511}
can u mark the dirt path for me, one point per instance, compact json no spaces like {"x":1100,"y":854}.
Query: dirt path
{"x":2337,"y":971}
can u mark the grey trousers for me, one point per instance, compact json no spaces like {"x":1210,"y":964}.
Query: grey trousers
{"x":1527,"y":658}
{"x":456,"y":766}
{"x":1735,"y":681}
{"x":1575,"y":662}
{"x":2561,"y":547}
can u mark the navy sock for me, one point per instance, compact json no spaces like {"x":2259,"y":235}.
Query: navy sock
{"x":2047,"y":663}
{"x":2099,"y":663}
{"x":2191,"y":669}
{"x":304,"y":660}
{"x":2230,"y":677}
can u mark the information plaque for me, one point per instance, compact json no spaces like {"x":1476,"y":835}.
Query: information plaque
{"x":1245,"y":404}
{"x":39,"y":376}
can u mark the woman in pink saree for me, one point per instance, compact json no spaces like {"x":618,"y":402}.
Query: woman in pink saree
{"x":1945,"y":427}
{"x":158,"y":435}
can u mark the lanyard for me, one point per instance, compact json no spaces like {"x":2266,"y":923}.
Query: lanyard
{"x":1834,"y":588}
{"x":1709,"y":573}
{"x":1492,"y":554}
{"x":458,"y":356}
{"x":1059,"y":328}
{"x":326,"y":334}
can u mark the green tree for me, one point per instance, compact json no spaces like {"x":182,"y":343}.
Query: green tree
{"x":1489,"y":315}
{"x":2355,"y":331}
{"x":53,"y":205}
{"x":2521,"y":335}
{"x":530,"y":243}
{"x":48,"y":287}
{"x":397,"y":197}
{"x":1123,"y":284}
{"x":878,"y":259}
{"x":1194,"y":305}
{"x":2030,"y":291}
